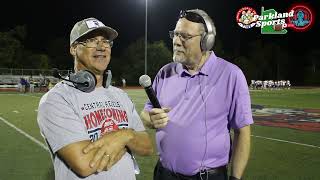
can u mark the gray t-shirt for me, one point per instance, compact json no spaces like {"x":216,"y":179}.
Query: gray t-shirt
{"x":67,"y":115}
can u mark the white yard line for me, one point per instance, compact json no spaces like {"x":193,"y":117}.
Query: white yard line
{"x":21,"y":94}
{"x":29,"y":95}
{"x":25,"y":134}
{"x":290,"y":142}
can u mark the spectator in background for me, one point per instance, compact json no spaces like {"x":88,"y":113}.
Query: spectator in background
{"x":27,"y":85}
{"x":19,"y":86}
{"x":41,"y":81}
{"x":32,"y":84}
{"x":123,"y":82}
{"x":50,"y":85}
{"x":23,"y":83}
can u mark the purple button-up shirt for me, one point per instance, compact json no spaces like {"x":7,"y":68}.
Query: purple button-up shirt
{"x":203,"y":108}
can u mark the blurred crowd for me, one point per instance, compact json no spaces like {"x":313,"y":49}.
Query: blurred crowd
{"x":41,"y":84}
{"x":270,"y":84}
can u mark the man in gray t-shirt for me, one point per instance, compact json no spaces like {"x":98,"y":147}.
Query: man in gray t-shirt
{"x":91,"y":127}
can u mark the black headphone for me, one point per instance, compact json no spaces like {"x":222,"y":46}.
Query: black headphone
{"x":84,"y":80}
{"x":208,"y":38}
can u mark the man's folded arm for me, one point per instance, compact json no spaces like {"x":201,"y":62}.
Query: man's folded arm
{"x":140,"y":143}
{"x":73,"y":156}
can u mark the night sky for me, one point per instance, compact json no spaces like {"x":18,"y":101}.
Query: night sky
{"x":47,"y":20}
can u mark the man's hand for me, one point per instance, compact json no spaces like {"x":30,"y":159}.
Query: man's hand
{"x":108,"y":160}
{"x":114,"y":158}
{"x":111,"y":148}
{"x":159,"y":117}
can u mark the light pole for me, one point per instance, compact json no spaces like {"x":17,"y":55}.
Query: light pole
{"x":145,"y":39}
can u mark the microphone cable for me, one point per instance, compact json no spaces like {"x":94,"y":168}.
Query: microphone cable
{"x":206,"y":128}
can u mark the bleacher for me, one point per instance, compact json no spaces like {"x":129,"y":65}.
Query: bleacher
{"x":9,"y":79}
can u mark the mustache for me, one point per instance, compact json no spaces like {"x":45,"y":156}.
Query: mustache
{"x":178,"y":49}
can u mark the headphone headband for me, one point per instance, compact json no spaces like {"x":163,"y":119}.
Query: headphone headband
{"x":200,"y":16}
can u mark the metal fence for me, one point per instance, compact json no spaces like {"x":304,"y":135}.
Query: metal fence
{"x":38,"y":77}
{"x":31,"y":72}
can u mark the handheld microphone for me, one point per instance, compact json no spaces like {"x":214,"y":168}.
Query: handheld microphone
{"x":145,"y":82}
{"x":83,"y":80}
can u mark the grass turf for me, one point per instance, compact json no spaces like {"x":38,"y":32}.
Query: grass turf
{"x":21,"y":158}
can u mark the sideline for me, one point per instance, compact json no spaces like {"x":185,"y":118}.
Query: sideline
{"x":290,"y":142}
{"x":25,"y":134}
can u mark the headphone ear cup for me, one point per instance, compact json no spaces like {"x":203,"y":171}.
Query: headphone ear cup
{"x":207,"y":39}
{"x":207,"y":42}
{"x":86,"y":80}
{"x":92,"y":76}
{"x":202,"y":42}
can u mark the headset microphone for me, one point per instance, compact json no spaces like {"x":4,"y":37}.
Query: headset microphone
{"x":56,"y":74}
{"x":83,"y":80}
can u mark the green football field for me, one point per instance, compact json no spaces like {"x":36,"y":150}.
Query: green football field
{"x":276,"y":154}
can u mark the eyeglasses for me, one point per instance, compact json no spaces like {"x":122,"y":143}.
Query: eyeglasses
{"x":93,"y":43}
{"x":191,"y":16}
{"x":183,"y":36}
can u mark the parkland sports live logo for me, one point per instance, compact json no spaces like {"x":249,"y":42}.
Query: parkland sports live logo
{"x":299,"y":18}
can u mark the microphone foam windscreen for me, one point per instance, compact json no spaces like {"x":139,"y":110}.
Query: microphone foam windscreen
{"x":145,"y":81}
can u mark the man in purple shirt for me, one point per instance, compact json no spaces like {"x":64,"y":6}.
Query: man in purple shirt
{"x":203,"y":97}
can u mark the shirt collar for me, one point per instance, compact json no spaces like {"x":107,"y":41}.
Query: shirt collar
{"x":204,"y":70}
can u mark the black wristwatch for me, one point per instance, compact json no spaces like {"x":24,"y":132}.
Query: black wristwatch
{"x":234,"y":178}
